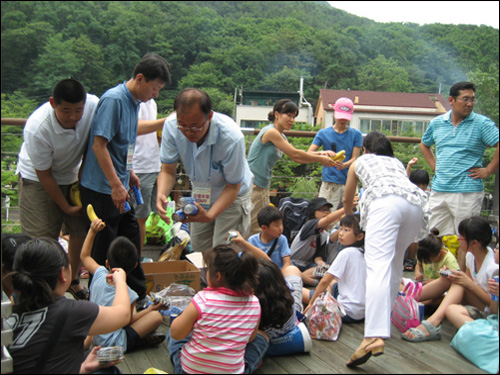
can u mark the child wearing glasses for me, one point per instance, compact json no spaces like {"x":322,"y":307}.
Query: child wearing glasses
{"x":309,"y":247}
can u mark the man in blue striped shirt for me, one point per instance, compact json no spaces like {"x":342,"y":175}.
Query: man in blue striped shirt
{"x":460,"y":136}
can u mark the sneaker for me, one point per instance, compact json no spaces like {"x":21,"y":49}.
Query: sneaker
{"x":150,"y":341}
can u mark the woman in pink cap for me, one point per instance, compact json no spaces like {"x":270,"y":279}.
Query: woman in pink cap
{"x":337,"y":138}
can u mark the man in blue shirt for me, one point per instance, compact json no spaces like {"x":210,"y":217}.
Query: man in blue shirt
{"x":336,"y":138}
{"x":212,"y":149}
{"x":460,"y":136}
{"x":107,"y":173}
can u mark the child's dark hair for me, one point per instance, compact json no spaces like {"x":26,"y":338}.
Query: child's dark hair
{"x":476,"y":228}
{"x":153,"y":66}
{"x":377,"y":143}
{"x":37,"y":265}
{"x":352,"y":221}
{"x":429,"y":247}
{"x":238,"y":271}
{"x":70,"y":90}
{"x":419,"y":177}
{"x":283,"y":106}
{"x":268,"y":214}
{"x":274,"y":295}
{"x":10,"y":245}
{"x":122,"y":253}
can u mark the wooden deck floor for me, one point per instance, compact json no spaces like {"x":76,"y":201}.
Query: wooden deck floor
{"x":400,"y":357}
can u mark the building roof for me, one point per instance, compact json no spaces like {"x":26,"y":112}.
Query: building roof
{"x":385,"y":99}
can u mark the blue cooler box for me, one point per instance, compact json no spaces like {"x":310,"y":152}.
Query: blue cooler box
{"x":297,"y":340}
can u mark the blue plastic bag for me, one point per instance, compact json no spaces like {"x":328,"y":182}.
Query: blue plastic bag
{"x":478,"y":342}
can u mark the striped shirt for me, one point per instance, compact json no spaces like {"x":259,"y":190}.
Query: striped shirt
{"x":226,"y":321}
{"x":458,"y":149}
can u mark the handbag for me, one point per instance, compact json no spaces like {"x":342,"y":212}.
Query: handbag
{"x":325,"y":317}
{"x":405,"y":313}
{"x":478,"y":342}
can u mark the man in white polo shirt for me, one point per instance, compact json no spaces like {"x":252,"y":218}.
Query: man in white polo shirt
{"x":55,"y":138}
{"x":212,"y":149}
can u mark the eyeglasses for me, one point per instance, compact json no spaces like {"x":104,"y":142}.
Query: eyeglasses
{"x":326,"y":209}
{"x":192,"y":129}
{"x":467,"y":100}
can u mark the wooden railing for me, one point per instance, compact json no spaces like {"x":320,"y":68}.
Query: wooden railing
{"x":250,"y":132}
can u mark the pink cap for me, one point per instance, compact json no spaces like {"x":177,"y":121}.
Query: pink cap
{"x":344,"y":108}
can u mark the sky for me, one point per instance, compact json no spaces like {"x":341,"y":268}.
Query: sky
{"x":422,"y":12}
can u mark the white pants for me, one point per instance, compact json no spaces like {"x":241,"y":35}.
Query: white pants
{"x":392,"y":224}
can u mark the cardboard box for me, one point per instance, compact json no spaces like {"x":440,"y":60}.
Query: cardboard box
{"x":159,"y":275}
{"x":197,"y":259}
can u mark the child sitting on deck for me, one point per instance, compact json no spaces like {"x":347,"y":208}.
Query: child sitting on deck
{"x":308,"y":249}
{"x":433,"y":256}
{"x":347,"y":275}
{"x":212,"y":333}
{"x":470,"y":287}
{"x":271,"y":240}
{"x":122,"y":253}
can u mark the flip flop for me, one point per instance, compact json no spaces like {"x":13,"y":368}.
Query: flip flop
{"x":419,"y":335}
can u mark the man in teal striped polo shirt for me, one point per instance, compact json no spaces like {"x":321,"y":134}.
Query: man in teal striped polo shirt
{"x":460,"y":136}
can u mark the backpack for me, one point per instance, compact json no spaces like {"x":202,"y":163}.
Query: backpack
{"x":406,"y":313}
{"x":294,"y":211}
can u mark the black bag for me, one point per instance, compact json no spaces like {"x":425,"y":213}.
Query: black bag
{"x":294,"y":211}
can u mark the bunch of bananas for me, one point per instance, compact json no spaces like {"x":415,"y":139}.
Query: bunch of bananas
{"x":74,"y":194}
{"x":339,"y":156}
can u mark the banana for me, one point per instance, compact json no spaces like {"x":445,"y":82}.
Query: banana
{"x":339,"y":156}
{"x":74,"y":194}
{"x":91,"y":213}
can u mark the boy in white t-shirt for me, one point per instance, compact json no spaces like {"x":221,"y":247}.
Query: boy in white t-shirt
{"x":347,"y":274}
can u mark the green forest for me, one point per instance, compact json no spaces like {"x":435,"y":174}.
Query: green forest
{"x":223,"y":45}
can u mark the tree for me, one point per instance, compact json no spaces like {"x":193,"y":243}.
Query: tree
{"x":383,"y":74}
{"x":486,"y":91}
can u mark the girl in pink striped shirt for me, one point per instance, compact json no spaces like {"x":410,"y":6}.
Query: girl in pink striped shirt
{"x":213,"y":333}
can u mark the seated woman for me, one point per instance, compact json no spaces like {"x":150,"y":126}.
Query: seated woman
{"x":469,"y":287}
{"x":458,"y":315}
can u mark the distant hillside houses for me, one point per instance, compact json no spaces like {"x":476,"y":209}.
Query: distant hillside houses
{"x":395,"y":112}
